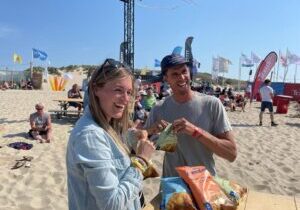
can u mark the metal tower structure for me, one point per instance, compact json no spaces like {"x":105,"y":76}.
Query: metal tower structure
{"x":129,"y":33}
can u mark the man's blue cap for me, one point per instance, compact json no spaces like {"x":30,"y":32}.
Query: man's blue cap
{"x":170,"y":61}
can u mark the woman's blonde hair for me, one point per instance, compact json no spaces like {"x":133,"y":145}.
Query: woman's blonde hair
{"x":110,"y":70}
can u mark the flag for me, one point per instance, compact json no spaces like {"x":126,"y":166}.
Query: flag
{"x":39,"y":54}
{"x":255,"y":58}
{"x":196,"y":65}
{"x":262,"y":72}
{"x":245,"y":61}
{"x":17,"y":58}
{"x":156,"y":63}
{"x":224,"y":64}
{"x":283,"y":60}
{"x":144,"y":71}
{"x":177,"y":50}
{"x":292,"y":58}
{"x":215,"y":68}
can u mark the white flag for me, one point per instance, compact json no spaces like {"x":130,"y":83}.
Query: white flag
{"x":215,"y":68}
{"x":245,"y":61}
{"x":255,"y":58}
{"x":292,"y":58}
{"x":224,"y":64}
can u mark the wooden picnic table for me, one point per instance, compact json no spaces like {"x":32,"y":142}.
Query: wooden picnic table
{"x":63,"y":106}
{"x":253,"y":201}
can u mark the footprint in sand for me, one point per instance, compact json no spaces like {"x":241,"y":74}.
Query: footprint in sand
{"x":287,"y":169}
{"x":260,"y":187}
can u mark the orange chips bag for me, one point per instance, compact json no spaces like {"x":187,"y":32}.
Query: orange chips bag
{"x":207,"y":193}
{"x":176,"y":195}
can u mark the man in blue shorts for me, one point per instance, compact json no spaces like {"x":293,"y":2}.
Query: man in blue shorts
{"x":267,"y":94}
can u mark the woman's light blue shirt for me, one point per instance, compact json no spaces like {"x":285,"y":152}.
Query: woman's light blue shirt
{"x":99,"y":174}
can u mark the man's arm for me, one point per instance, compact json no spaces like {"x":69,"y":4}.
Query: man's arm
{"x":32,"y":123}
{"x":222,"y":144}
{"x":49,"y":124}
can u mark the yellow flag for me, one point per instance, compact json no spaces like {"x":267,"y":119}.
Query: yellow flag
{"x":17,"y":58}
{"x":144,"y":71}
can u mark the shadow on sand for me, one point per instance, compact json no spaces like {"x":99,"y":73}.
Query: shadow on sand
{"x":244,"y":125}
{"x":293,"y":124}
{"x":5,"y":120}
{"x":22,"y":134}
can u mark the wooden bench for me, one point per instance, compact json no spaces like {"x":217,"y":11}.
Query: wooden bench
{"x":59,"y":113}
{"x":253,"y":201}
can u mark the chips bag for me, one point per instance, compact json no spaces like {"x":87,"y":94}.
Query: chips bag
{"x":233,"y":190}
{"x":207,"y":193}
{"x":167,"y":140}
{"x":176,"y":195}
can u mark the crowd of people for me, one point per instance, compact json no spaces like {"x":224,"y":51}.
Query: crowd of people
{"x":22,"y":84}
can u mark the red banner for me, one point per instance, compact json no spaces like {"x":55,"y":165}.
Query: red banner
{"x":262,"y":72}
{"x":292,"y":89}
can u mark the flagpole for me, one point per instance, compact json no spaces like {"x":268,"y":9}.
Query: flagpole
{"x":287,"y":66}
{"x":239,"y":81}
{"x":278,"y":61}
{"x":31,"y":65}
{"x":295,"y":75}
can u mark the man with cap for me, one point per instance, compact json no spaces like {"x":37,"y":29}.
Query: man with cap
{"x":267,"y":94}
{"x":199,"y":120}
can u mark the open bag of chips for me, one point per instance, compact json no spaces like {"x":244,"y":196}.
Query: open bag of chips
{"x":167,"y":140}
{"x":211,"y":193}
{"x":176,"y":195}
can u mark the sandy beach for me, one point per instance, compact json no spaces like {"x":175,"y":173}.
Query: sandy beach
{"x":268,"y":157}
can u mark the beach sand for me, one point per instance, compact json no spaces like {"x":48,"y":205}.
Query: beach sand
{"x":268,"y":157}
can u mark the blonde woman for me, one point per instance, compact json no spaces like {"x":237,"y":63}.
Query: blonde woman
{"x":101,"y":174}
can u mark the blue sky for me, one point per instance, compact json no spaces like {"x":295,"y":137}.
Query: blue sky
{"x":86,"y":32}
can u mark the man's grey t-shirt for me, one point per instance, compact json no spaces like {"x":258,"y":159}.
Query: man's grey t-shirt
{"x":206,"y":112}
{"x":39,"y":120}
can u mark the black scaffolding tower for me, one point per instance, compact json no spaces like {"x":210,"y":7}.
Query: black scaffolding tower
{"x":128,"y":44}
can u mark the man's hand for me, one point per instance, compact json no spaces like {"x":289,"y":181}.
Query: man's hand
{"x":183,"y":126}
{"x":157,"y":127}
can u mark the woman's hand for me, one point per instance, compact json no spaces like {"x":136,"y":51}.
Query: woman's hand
{"x":145,"y":149}
{"x":183,"y":126}
{"x":140,"y":134}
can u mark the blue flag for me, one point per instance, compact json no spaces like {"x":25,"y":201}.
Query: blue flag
{"x":177,"y":50}
{"x":39,"y":54}
{"x":156,"y":63}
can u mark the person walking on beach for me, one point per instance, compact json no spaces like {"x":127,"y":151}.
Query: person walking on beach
{"x":101,"y":175}
{"x":40,"y":123}
{"x":267,"y":95}
{"x":200,"y":121}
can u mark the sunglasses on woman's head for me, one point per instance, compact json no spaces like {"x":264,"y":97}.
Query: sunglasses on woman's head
{"x":109,"y":62}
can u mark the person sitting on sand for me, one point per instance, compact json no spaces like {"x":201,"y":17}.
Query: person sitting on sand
{"x":75,"y":93}
{"x":240,"y":101}
{"x":40,"y":122}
